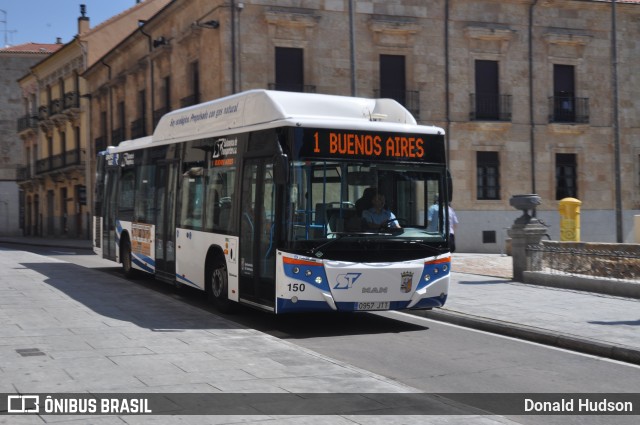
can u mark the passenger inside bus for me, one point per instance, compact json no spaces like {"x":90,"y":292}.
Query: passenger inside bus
{"x":364,"y":203}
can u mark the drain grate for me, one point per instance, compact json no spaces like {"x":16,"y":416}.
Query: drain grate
{"x":28,"y":352}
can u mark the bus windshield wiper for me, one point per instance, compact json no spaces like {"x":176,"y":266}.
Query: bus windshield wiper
{"x":339,"y":235}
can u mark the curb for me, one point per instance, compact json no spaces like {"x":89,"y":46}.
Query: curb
{"x":53,"y":243}
{"x":616,"y":288}
{"x":538,"y":335}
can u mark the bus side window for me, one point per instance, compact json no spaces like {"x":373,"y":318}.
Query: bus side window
{"x":220,"y":184}
{"x":192,"y":199}
{"x":127,"y":190}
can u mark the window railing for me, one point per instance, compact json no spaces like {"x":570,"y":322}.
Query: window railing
{"x":489,"y":107}
{"x":23,"y":173}
{"x":56,"y":162}
{"x":27,"y":122}
{"x":568,"y":109}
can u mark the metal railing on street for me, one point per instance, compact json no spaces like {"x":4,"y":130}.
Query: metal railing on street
{"x":597,"y":263}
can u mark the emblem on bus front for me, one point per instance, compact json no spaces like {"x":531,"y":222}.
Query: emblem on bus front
{"x":346,"y":281}
{"x":406,"y":281}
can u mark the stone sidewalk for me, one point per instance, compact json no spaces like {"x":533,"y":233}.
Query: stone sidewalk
{"x":483,"y":296}
{"x":71,"y":329}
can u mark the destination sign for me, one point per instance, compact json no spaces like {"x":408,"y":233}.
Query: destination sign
{"x":324,"y":143}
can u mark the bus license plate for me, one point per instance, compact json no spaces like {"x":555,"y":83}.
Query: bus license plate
{"x":375,"y":305}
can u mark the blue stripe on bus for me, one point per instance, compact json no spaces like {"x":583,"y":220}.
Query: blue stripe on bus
{"x":142,"y":263}
{"x":184,"y":280}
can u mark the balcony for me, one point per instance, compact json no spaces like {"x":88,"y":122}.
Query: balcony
{"x":43,"y":113}
{"x":489,"y":107}
{"x":71,"y":100}
{"x":410,"y":99}
{"x":27,"y":122}
{"x":23,"y":173}
{"x":56,"y":107}
{"x":57,"y":162}
{"x":300,"y":88}
{"x":568,"y":110}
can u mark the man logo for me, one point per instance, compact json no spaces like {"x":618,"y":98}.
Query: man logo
{"x":406,"y":281}
{"x":346,"y":281}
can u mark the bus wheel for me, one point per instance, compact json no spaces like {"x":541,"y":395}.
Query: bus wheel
{"x":125,"y":257}
{"x":217,"y":287}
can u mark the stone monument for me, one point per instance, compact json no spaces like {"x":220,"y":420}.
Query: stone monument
{"x":526,"y":230}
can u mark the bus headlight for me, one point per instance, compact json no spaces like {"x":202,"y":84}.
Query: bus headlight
{"x":319,"y":280}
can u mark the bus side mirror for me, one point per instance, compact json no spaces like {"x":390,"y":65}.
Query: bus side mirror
{"x":449,"y":187}
{"x":281,"y":168}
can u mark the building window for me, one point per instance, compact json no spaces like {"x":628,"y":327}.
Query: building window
{"x":564,"y":93}
{"x":194,"y":85}
{"x":566,"y":173}
{"x":289,"y":69}
{"x":488,"y":175}
{"x":393,"y":82}
{"x":139,"y":126}
{"x":487,"y":103}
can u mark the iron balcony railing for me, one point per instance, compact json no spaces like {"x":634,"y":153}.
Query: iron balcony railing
{"x":56,"y":162}
{"x":23,"y":173}
{"x":410,"y":99}
{"x":568,"y":109}
{"x":27,"y":122}
{"x":489,"y":107}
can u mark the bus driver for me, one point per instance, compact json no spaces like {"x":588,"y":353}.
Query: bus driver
{"x":377,"y":216}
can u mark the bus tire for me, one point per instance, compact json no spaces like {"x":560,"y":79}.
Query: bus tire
{"x":217,"y":287}
{"x":126,"y":258}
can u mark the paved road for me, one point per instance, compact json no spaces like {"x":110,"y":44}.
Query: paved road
{"x":95,"y":334}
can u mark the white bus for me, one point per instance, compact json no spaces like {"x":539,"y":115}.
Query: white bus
{"x":257,"y":198}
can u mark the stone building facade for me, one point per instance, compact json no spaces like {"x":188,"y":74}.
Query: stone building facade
{"x":56,"y":199}
{"x":15,"y":61}
{"x":523,"y":88}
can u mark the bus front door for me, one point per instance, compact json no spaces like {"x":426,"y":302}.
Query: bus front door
{"x":258,"y":233}
{"x":166,"y":175}
{"x":110,"y":206}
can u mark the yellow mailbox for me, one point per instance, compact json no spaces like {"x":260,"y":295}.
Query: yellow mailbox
{"x":569,"y":219}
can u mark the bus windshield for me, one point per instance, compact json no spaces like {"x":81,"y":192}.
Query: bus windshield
{"x":334,"y":200}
